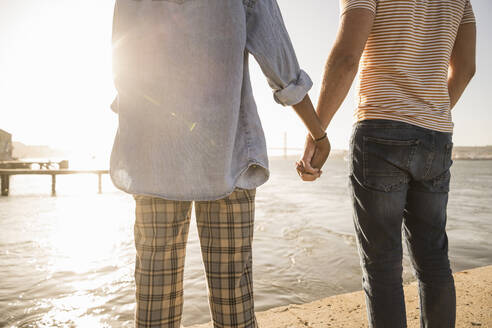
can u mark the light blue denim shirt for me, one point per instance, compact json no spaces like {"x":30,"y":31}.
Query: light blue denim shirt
{"x":188,"y":123}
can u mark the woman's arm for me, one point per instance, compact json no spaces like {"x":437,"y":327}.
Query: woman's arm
{"x":269,"y":42}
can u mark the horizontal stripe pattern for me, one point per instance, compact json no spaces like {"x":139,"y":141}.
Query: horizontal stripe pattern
{"x":404,"y":68}
{"x":370,"y":5}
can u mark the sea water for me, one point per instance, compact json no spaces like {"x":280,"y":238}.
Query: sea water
{"x":68,"y":261}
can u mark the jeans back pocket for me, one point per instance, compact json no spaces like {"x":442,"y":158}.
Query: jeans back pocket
{"x":386,"y":163}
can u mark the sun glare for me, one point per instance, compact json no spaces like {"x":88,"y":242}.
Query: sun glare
{"x":59,"y":76}
{"x":82,"y":241}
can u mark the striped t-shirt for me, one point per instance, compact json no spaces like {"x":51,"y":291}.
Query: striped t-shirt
{"x":404,"y":68}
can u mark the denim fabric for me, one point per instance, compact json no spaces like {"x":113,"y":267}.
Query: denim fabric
{"x":400,"y":177}
{"x":188,"y":123}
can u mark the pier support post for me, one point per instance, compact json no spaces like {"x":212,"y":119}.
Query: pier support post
{"x":99,"y":183}
{"x":5,"y":184}
{"x":53,"y":185}
{"x":285,"y":145}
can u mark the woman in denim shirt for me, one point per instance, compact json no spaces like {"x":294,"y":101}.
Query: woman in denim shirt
{"x":188,"y":132}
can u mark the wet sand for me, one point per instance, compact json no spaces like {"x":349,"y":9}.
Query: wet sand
{"x":474,"y":307}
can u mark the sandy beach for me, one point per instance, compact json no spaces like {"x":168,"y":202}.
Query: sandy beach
{"x":474,"y":307}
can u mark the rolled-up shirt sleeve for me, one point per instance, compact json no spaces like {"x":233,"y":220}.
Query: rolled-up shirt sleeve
{"x":270,"y":44}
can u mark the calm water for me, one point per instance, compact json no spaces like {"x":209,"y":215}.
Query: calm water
{"x":68,"y":261}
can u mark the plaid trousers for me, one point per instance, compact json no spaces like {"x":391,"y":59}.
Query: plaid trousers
{"x":225,"y":227}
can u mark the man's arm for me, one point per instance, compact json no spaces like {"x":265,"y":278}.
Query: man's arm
{"x":343,"y":62}
{"x":340,"y":70}
{"x":462,"y":62}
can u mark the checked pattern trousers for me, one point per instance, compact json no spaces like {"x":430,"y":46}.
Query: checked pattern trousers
{"x":225,"y":228}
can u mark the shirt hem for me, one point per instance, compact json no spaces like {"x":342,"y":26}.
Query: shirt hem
{"x":198,"y":199}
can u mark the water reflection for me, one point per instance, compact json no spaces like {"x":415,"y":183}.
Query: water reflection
{"x":87,"y":239}
{"x":80,"y":241}
{"x":68,"y":261}
{"x":72,"y":257}
{"x":79,"y":310}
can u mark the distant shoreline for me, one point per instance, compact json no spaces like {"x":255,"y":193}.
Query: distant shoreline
{"x":22,"y":152}
{"x":343,"y":154}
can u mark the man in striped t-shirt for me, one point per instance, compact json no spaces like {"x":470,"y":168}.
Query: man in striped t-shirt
{"x":414,"y":59}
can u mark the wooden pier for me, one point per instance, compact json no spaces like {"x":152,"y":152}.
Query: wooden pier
{"x":5,"y":175}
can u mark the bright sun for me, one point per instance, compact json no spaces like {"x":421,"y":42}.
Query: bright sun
{"x":56,"y":76}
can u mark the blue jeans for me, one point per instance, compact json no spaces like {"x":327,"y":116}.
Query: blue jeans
{"x":399,"y":176}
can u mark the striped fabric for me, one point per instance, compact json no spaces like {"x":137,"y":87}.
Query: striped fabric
{"x":225,"y":228}
{"x":353,"y":4}
{"x":404,"y":68}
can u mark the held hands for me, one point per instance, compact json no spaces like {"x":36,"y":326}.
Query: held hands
{"x":313,"y":159}
{"x":316,"y":151}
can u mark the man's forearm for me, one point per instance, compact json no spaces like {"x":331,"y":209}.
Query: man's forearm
{"x":343,"y":61}
{"x":339,"y":74}
{"x":457,"y":82}
{"x":462,"y":62}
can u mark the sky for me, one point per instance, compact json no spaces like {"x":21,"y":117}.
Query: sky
{"x":56,"y":81}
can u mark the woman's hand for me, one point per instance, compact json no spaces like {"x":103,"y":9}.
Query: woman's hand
{"x":313,"y":159}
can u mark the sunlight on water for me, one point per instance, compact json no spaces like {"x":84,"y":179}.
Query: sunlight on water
{"x":82,"y":242}
{"x":73,"y":256}
{"x":68,"y":261}
{"x":71,"y":312}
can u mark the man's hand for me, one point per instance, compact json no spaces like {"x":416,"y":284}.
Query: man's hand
{"x":313,"y":159}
